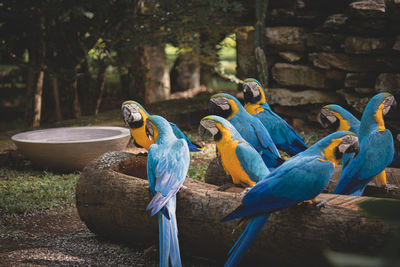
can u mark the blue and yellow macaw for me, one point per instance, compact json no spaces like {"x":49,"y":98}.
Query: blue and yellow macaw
{"x":249,"y":127}
{"x":337,"y":117}
{"x":283,"y":135}
{"x":135,"y":116}
{"x":298,"y":179}
{"x":376,"y":151}
{"x":238,"y":158}
{"x":167,"y":166}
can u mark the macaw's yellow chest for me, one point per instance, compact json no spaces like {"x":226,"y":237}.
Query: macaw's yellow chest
{"x":253,"y":108}
{"x":139,"y":134}
{"x":231,"y":163}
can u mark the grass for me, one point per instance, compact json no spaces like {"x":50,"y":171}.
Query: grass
{"x":27,"y":190}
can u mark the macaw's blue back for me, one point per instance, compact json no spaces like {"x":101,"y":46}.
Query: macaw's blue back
{"x":249,"y":127}
{"x":300,"y":178}
{"x":167,"y":166}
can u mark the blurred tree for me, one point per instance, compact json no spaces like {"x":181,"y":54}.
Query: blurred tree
{"x":68,"y":40}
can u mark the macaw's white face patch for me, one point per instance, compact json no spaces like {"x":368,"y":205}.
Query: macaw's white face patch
{"x":388,"y":102}
{"x":131,"y":113}
{"x":208,"y":126}
{"x":349,"y":144}
{"x":251,"y":87}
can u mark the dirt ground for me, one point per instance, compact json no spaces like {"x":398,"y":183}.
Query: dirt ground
{"x":60,"y":238}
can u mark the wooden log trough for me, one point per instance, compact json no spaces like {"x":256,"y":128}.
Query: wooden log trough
{"x":112,"y":194}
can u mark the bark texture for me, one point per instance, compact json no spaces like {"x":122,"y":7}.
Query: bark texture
{"x":112,"y":194}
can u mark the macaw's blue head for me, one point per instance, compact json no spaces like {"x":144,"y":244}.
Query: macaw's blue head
{"x":253,"y":92}
{"x":333,"y":146}
{"x":375,"y":110}
{"x":133,"y":114}
{"x":217,"y":127}
{"x":158,"y":128}
{"x":225,"y":105}
{"x":336,"y":117}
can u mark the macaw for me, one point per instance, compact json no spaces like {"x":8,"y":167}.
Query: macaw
{"x":249,"y":127}
{"x":238,"y":158}
{"x":167,"y":166}
{"x":298,"y":179}
{"x":337,"y":117}
{"x":283,"y":135}
{"x":376,"y":151}
{"x":135,"y":116}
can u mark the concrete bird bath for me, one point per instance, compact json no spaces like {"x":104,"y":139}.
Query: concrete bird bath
{"x":70,"y":148}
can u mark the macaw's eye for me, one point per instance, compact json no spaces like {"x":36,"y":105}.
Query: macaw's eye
{"x":388,"y":103}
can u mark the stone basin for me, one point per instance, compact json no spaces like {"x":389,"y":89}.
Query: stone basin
{"x":70,"y":148}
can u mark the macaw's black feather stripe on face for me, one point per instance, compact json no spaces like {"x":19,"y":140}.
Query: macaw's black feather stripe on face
{"x":389,"y":104}
{"x":131,"y":115}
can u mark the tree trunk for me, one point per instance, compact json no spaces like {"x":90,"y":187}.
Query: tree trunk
{"x":259,"y":41}
{"x":138,"y":74}
{"x":30,"y":83}
{"x":38,"y":90}
{"x":56,"y":95}
{"x":216,"y":175}
{"x":158,"y":86}
{"x":75,"y":96}
{"x":100,"y":85}
{"x":112,"y":194}
{"x":245,"y":57}
{"x":37,"y":100}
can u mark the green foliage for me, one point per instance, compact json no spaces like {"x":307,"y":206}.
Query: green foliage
{"x":26,"y":190}
{"x":387,"y":210}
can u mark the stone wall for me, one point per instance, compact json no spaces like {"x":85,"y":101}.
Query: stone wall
{"x":321,"y":52}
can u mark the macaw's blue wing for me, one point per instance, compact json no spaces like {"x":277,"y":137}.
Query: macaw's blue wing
{"x":167,"y":173}
{"x":193,"y":147}
{"x":285,"y":186}
{"x":283,"y":135}
{"x":251,"y":162}
{"x":372,"y":160}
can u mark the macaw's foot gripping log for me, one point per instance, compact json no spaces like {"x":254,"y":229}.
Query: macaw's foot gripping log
{"x":112,"y":195}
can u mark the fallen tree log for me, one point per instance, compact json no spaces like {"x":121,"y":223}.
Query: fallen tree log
{"x":217,"y":176}
{"x":112,"y":194}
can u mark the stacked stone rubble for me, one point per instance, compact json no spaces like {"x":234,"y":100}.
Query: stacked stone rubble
{"x":322,"y":52}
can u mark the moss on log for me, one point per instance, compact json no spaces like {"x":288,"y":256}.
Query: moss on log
{"x":112,"y":194}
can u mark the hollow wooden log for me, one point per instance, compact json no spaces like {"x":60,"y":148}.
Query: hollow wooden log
{"x":217,"y":176}
{"x":112,"y":194}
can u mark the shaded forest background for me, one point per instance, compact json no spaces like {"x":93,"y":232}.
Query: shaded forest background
{"x":65,"y":59}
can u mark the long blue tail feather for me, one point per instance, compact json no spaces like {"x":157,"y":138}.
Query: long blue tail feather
{"x":168,"y":236}
{"x":246,"y":239}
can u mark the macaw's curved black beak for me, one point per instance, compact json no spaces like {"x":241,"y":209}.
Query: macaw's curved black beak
{"x":248,"y":94}
{"x":323,"y":120}
{"x":220,"y":107}
{"x":204,"y":133}
{"x":354,"y":148}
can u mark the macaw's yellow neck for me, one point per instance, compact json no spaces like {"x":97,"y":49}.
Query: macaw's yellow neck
{"x":253,"y":108}
{"x":344,"y":125}
{"x":379,"y":118}
{"x":328,"y":152}
{"x":226,"y":148}
{"x":139,"y":134}
{"x":234,"y":107}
